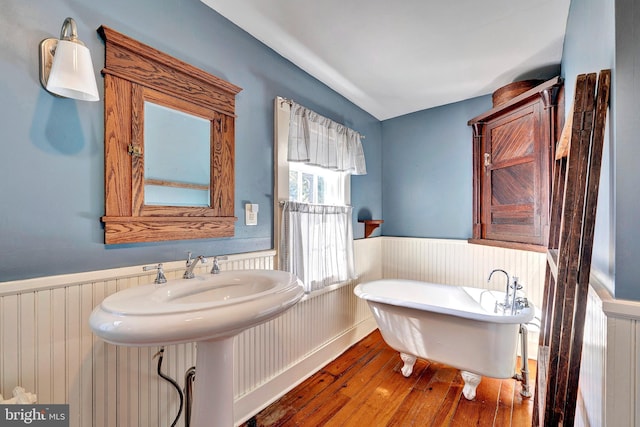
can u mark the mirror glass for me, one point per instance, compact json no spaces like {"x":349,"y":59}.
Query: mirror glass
{"x":177,"y":156}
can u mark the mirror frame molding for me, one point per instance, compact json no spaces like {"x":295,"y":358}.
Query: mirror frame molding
{"x":133,"y":73}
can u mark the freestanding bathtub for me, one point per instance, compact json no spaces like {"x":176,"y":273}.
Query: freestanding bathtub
{"x":462,"y":327}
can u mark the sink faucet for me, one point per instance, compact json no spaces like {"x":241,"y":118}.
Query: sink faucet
{"x":216,"y":266}
{"x":506,"y":303}
{"x":191,"y":264}
{"x":160,"y":277}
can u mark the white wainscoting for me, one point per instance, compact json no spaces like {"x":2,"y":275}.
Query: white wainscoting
{"x":621,"y":392}
{"x":48,"y":348}
{"x":609,"y":388}
{"x":46,"y":345}
{"x":622,"y":370}
{"x":590,"y":405}
{"x":456,"y":262}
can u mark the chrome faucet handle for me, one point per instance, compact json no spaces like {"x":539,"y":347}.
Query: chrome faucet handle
{"x":516,"y":286}
{"x":497,"y":306}
{"x":216,"y":267}
{"x":514,"y":297}
{"x":160,"y":277}
{"x":522,"y":302}
{"x":189,"y":259}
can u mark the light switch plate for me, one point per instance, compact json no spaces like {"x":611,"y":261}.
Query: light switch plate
{"x":251,"y":214}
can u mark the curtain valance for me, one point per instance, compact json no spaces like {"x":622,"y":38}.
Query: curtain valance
{"x":317,"y":140}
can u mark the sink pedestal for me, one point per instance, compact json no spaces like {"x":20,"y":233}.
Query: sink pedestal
{"x":209,"y":310}
{"x":213,"y":388}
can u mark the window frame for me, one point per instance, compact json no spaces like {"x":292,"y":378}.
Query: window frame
{"x":334,"y":183}
{"x":282,"y":110}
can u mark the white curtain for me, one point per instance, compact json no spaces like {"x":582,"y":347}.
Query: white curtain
{"x":317,"y":244}
{"x":317,"y":140}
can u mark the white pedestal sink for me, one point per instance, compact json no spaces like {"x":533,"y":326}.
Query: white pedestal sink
{"x":210,"y":310}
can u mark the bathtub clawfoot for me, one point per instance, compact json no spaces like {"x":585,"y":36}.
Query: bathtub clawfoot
{"x":409,"y":361}
{"x":471,"y":382}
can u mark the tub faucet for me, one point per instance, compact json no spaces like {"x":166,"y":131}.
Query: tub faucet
{"x":216,"y":266}
{"x":506,"y":303}
{"x":514,"y":300}
{"x":191,"y":264}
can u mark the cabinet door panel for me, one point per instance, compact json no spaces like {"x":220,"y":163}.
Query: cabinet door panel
{"x":513,"y":137}
{"x":513,"y":185}
{"x":511,"y":197}
{"x":513,"y":148}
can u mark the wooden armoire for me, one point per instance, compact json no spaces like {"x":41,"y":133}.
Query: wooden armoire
{"x":513,"y":151}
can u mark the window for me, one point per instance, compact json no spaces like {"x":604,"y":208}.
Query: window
{"x":300,"y":182}
{"x":316,"y":185}
{"x":313,"y":220}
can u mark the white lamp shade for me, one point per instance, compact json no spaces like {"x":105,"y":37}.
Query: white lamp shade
{"x":72,"y":73}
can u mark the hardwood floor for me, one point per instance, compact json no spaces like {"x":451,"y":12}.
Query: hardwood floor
{"x":364,"y":386}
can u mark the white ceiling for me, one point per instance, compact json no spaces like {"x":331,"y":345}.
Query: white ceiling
{"x":396,"y":57}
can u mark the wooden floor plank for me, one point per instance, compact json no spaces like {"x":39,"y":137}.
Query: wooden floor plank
{"x":364,"y":387}
{"x":368,"y":389}
{"x":365,"y":348}
{"x":350,"y":383}
{"x":505,"y":403}
{"x":483,"y":408}
{"x":381,"y":403}
{"x":317,"y":388}
{"x":406,"y":411}
{"x":288,"y":405}
{"x":447,"y":404}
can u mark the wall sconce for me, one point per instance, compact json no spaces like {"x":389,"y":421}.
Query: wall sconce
{"x":65,"y":65}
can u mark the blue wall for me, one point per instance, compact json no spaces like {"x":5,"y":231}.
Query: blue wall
{"x":604,"y":34}
{"x":627,"y":149}
{"x":427,"y":171}
{"x":419,"y":180}
{"x":52,"y":150}
{"x":589,"y":47}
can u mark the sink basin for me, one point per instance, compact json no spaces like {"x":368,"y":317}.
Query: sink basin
{"x":204,"y":308}
{"x":209,"y":310}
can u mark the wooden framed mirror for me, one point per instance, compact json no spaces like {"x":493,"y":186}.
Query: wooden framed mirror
{"x":169,"y":146}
